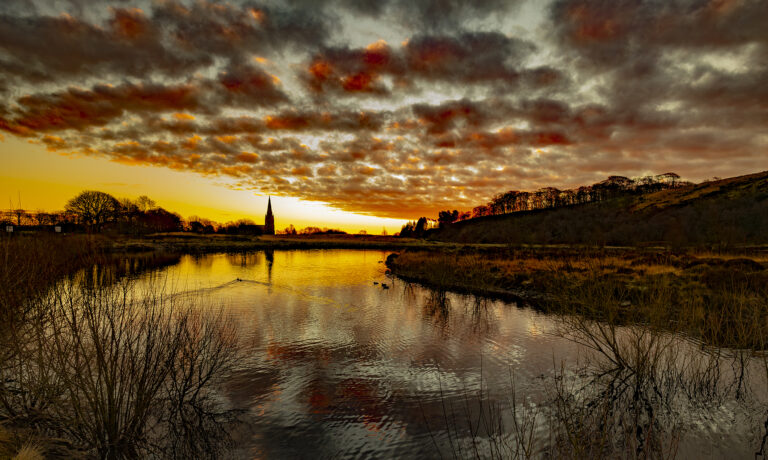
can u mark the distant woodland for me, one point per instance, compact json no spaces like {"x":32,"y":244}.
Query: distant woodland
{"x":515,"y":201}
{"x":617,"y":211}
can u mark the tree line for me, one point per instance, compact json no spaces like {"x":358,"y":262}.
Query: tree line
{"x":548,"y":197}
{"x":95,"y":211}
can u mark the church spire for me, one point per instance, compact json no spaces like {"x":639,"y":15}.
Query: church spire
{"x":269,"y":219}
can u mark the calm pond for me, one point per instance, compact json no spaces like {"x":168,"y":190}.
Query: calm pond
{"x":338,"y":366}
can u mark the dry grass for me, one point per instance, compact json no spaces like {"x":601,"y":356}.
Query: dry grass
{"x":29,"y":452}
{"x":89,"y":366}
{"x":731,"y":187}
{"x":20,"y":445}
{"x":29,"y":265}
{"x":195,"y":243}
{"x":637,"y":373}
{"x":119,"y":373}
{"x":761,"y":257}
{"x":722,"y":300}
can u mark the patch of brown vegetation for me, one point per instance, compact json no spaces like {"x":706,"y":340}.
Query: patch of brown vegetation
{"x":719,"y":298}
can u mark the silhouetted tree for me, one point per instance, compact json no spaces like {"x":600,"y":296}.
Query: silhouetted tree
{"x":551,"y":197}
{"x":480,"y":211}
{"x":144,"y":203}
{"x":447,"y":217}
{"x":321,"y":231}
{"x":670,"y":178}
{"x":196,"y":226}
{"x":160,"y":220}
{"x":421,"y":226}
{"x":94,"y":208}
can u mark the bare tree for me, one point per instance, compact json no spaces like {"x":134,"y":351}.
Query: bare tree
{"x":94,"y":208}
{"x":145,"y":203}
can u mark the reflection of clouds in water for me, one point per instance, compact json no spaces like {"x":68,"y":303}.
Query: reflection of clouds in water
{"x":333,"y":358}
{"x":338,"y":368}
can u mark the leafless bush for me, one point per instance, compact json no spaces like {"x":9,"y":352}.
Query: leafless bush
{"x":120,"y":373}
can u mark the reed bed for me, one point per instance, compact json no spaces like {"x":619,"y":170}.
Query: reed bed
{"x":665,"y":337}
{"x":721,"y":300}
{"x":93,"y":366}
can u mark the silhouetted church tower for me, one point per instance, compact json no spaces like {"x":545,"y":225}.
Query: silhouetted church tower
{"x":269,"y":219}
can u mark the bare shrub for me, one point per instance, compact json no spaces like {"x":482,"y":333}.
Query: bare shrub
{"x":120,"y":373}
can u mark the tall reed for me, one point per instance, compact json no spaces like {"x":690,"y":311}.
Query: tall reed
{"x":118,"y":372}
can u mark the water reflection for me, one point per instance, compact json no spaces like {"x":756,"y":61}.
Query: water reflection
{"x":438,"y":307}
{"x":338,"y":366}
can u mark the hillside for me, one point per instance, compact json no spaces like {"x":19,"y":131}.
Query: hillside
{"x":727,"y":211}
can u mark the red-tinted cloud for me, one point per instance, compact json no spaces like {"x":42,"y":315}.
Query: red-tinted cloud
{"x":452,"y":115}
{"x":467,"y":58}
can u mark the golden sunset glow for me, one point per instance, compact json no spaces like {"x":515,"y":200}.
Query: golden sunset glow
{"x":64,"y":177}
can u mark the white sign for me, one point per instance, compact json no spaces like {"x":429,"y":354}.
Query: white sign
{"x":9,"y":228}
{"x":57,"y":229}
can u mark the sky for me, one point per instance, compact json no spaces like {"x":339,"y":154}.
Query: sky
{"x":361,"y":114}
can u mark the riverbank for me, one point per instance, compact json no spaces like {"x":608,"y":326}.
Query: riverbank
{"x":718,"y":296}
{"x":195,"y":243}
{"x":720,"y":299}
{"x":637,"y":294}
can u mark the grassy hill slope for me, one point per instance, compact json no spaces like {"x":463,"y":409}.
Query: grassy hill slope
{"x":728,"y":211}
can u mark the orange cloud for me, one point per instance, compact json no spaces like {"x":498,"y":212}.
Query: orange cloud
{"x":130,"y":23}
{"x":360,"y":81}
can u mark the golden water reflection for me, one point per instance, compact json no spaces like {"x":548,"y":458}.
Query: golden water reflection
{"x":339,"y":366}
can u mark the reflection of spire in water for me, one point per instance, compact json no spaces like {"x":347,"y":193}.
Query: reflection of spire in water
{"x":270,"y":255}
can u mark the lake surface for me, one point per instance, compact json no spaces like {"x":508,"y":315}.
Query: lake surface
{"x":337,"y":366}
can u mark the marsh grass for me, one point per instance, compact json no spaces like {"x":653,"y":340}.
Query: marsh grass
{"x":632,"y":395}
{"x":721,"y":300}
{"x":91,"y":365}
{"x":29,"y":265}
{"x":665,"y":338}
{"x":119,"y":373}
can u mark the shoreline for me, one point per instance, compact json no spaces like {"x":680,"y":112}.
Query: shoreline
{"x":206,"y":243}
{"x":521,"y":296}
{"x":719,"y":298}
{"x":193,"y":244}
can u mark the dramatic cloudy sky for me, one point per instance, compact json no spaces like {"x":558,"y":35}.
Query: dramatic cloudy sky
{"x":391,"y":108}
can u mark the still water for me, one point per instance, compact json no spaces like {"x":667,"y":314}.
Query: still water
{"x":339,"y":366}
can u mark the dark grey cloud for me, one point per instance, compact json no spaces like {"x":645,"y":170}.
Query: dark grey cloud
{"x":461,"y":109}
{"x":76,"y":108}
{"x":173,"y":39}
{"x":469,"y":58}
